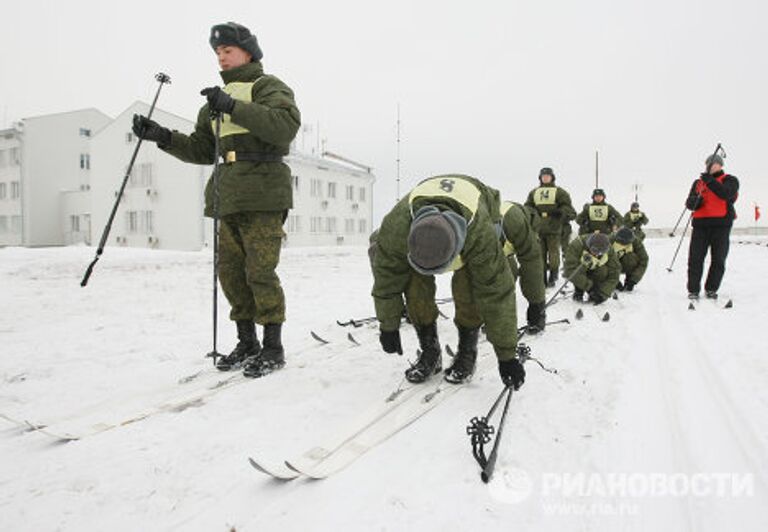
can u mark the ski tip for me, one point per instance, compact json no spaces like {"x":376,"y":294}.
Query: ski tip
{"x":729,"y":304}
{"x":579,"y":314}
{"x":691,"y":306}
{"x":615,"y":296}
{"x":606,"y":316}
{"x":318,"y":338}
{"x":352,"y":339}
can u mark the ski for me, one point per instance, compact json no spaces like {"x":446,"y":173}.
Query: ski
{"x":386,"y":418}
{"x":88,"y":422}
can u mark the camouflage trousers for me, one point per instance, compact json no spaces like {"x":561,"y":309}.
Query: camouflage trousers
{"x":249,"y":251}
{"x":550,"y":252}
{"x":565,"y":239}
{"x":421,"y":306}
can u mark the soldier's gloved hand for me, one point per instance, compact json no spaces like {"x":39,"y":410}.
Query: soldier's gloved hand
{"x":629,"y":285}
{"x":596,"y":297}
{"x":390,"y":342}
{"x":218,"y":100}
{"x":147,"y":129}
{"x":512,"y":372}
{"x":536,"y":316}
{"x":707,"y":177}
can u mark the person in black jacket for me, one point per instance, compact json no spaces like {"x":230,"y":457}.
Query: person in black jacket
{"x":711,"y":199}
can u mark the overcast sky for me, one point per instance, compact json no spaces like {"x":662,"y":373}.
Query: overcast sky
{"x":493,"y":89}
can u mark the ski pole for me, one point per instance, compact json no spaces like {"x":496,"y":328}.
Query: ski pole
{"x":680,"y":219}
{"x":216,"y":141}
{"x":718,"y":149}
{"x":680,"y":243}
{"x":562,"y":287}
{"x":162,"y":79}
{"x":491,"y":465}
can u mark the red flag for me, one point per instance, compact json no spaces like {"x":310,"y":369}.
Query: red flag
{"x":757,"y":212}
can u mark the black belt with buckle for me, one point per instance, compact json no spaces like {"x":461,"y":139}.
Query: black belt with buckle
{"x":234,"y":156}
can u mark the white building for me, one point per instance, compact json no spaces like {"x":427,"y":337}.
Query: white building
{"x":333,"y":201}
{"x":163,"y":200}
{"x":60,"y":174}
{"x":10,"y":187}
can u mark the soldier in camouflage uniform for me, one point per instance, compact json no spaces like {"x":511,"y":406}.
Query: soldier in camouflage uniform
{"x":593,"y":267}
{"x":522,"y":248}
{"x":259,"y":121}
{"x":632,"y":256}
{"x":554,"y":206}
{"x":598,"y":216}
{"x":635,"y":219}
{"x":447,"y":223}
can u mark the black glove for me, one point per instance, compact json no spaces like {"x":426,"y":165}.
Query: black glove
{"x":537,"y":317}
{"x":620,"y":287}
{"x":578,"y":295}
{"x":390,"y":342}
{"x":512,"y":372}
{"x":218,"y":100}
{"x":147,"y":129}
{"x":629,"y":285}
{"x":694,"y":202}
{"x":707,"y":177}
{"x":596,"y":297}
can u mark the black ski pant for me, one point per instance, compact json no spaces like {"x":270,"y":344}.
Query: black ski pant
{"x":703,"y":239}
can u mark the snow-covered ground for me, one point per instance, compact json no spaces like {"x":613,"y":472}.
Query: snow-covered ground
{"x":658,"y":399}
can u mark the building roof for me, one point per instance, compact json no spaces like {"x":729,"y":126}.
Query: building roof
{"x":87,"y":109}
{"x":133,"y":107}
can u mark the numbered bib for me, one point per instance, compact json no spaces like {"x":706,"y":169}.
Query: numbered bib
{"x":452,"y":187}
{"x":544,"y":196}
{"x":622,"y":249}
{"x":598,"y":213}
{"x":239,"y":90}
{"x":634,"y":216}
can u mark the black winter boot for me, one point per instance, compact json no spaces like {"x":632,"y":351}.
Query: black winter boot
{"x":430,"y":359}
{"x":272,"y":356}
{"x":578,"y":295}
{"x":247,"y":346}
{"x":463,"y":366}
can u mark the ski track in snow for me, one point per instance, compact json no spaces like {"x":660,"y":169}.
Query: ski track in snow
{"x":657,"y":389}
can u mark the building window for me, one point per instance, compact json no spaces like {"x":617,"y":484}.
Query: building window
{"x":74,"y":223}
{"x":148,"y":222}
{"x":142,"y":175}
{"x":3,"y":160}
{"x":349,"y":226}
{"x":85,"y":161}
{"x":132,"y":222}
{"x":16,"y":225}
{"x":15,"y":190}
{"x":3,"y":190}
{"x":350,"y":192}
{"x":293,"y":224}
{"x":13,"y":157}
{"x":315,"y":223}
{"x":295,"y":180}
{"x":363,"y":226}
{"x":316,"y":188}
{"x":330,"y":225}
{"x":331,"y":189}
{"x":3,"y":225}
{"x":362,"y":194}
{"x":84,"y":132}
